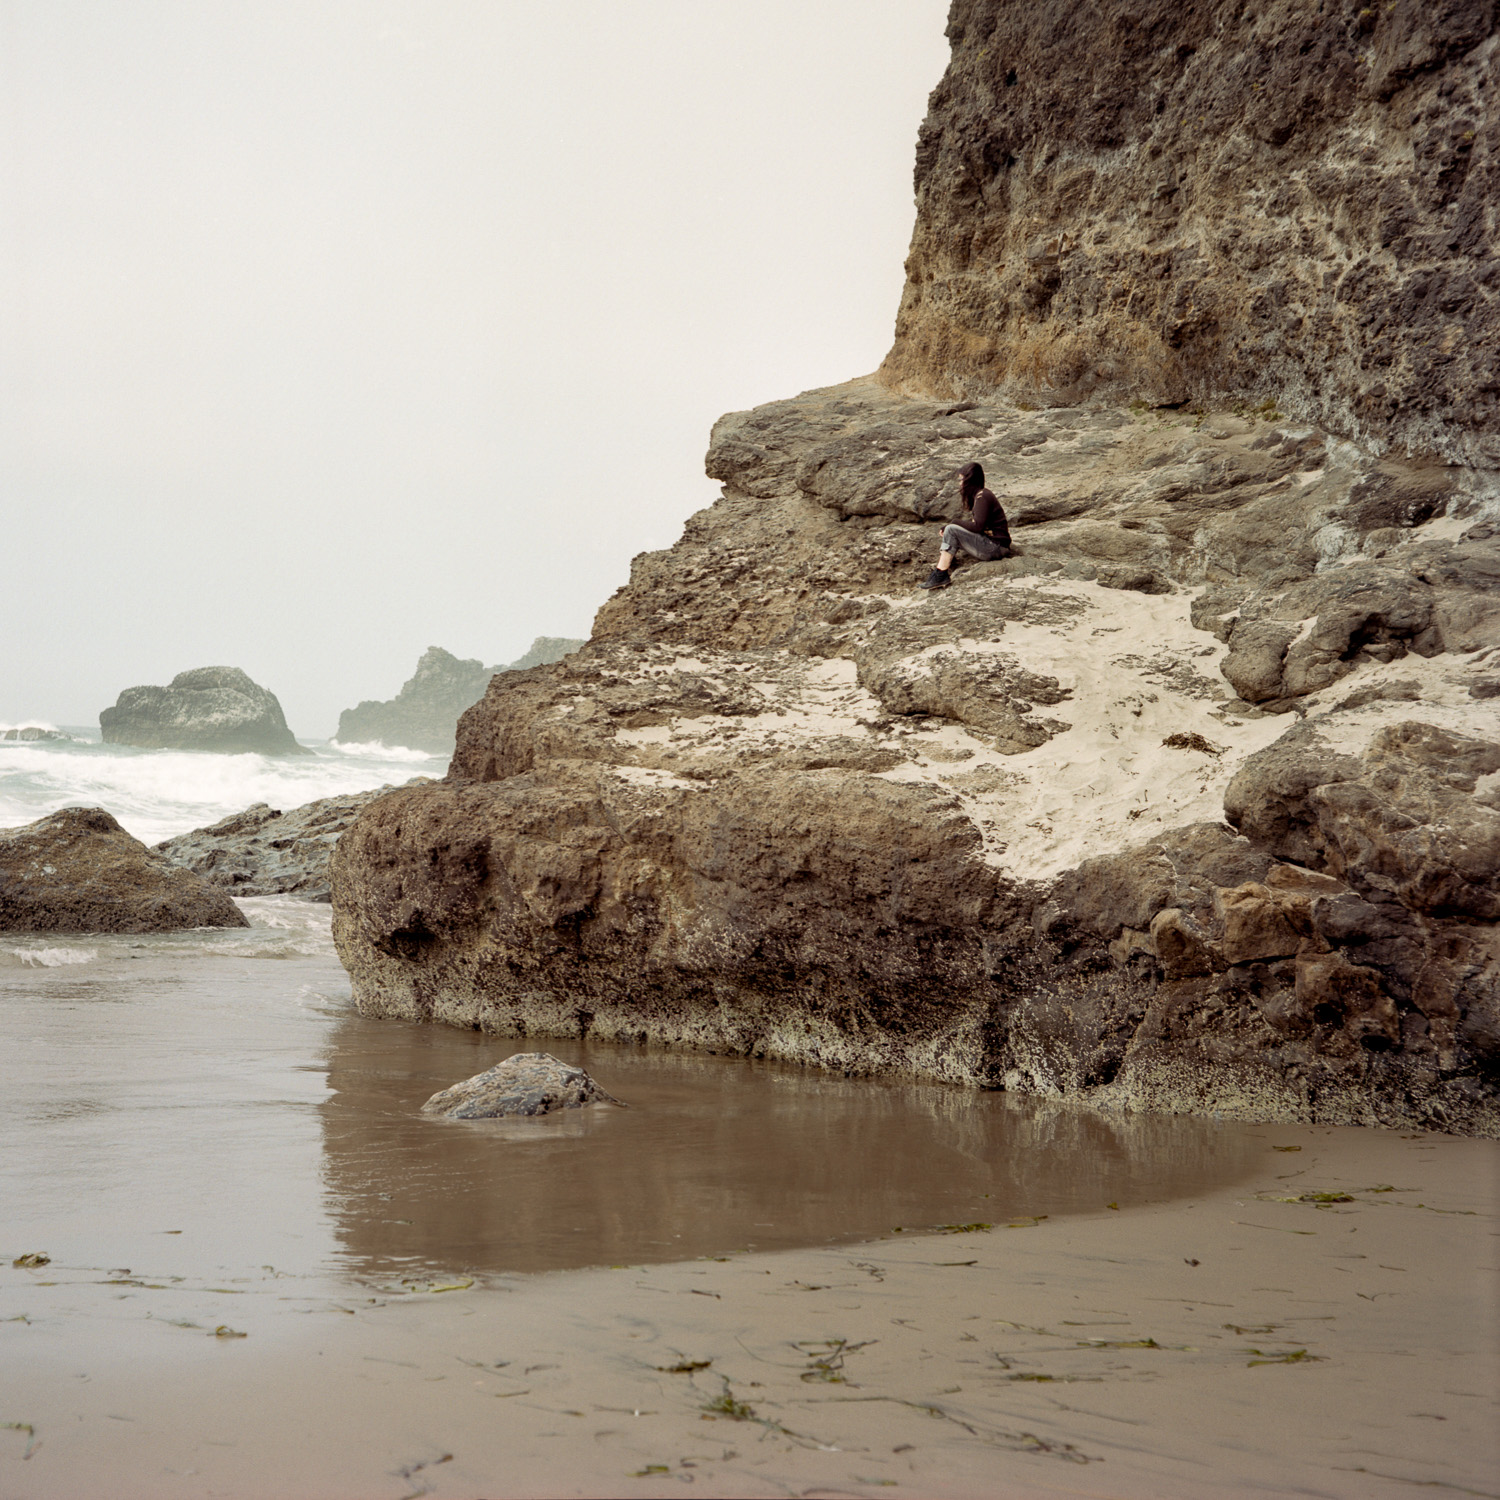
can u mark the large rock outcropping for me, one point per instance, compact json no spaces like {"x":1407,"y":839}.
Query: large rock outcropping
{"x":1190,"y":805}
{"x":208,"y":708}
{"x":77,"y":870}
{"x":424,"y":714}
{"x":1286,"y":202}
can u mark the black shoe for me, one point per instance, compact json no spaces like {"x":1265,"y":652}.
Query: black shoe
{"x":937,"y":579}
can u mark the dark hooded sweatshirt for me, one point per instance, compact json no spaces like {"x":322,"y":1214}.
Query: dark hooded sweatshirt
{"x":987,"y":518}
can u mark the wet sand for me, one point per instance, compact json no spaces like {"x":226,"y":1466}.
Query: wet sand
{"x":271,"y":1279}
{"x":1234,"y":1343}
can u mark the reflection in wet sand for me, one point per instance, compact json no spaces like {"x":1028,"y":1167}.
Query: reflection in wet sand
{"x":713,"y":1155}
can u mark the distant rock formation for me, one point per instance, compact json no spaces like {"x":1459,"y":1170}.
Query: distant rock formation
{"x":265,"y":852}
{"x":77,"y":870}
{"x":530,"y":1083}
{"x":209,"y":708}
{"x":32,"y":733}
{"x":545,"y":650}
{"x":424,"y":714}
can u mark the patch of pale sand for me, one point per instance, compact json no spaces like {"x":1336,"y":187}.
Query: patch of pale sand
{"x":1108,"y":781}
{"x":1442,"y":682}
{"x":652,"y":779}
{"x":811,"y":701}
{"x":646,"y":735}
{"x":1451,"y":528}
{"x":1234,"y":1344}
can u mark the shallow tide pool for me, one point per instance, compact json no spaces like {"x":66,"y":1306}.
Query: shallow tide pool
{"x":209,"y":1104}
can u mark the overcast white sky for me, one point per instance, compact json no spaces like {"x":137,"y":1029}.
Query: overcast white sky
{"x":333,"y":329}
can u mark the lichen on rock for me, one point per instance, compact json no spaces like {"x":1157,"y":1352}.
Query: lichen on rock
{"x":528,"y":1083}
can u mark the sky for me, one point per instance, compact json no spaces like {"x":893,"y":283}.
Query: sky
{"x":334,"y":329}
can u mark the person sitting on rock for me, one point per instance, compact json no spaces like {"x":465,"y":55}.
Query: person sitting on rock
{"x":983,"y":533}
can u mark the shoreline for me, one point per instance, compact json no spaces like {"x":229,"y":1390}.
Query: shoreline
{"x":1105,"y":1354}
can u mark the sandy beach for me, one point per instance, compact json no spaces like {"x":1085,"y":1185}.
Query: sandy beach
{"x":1327,"y":1326}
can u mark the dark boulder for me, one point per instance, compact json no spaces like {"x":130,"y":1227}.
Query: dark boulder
{"x":33,"y":732}
{"x":77,"y":870}
{"x":266,"y":852}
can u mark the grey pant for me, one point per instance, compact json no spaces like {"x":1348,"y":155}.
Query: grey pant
{"x":975,"y":543}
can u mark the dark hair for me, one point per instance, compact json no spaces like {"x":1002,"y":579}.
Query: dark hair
{"x":971,"y":481}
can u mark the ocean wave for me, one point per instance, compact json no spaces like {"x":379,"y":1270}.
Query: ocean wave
{"x":157,"y":794}
{"x":288,"y":914}
{"x":46,"y":958}
{"x":376,"y":750}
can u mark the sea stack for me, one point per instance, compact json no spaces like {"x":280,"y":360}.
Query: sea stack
{"x":1193,"y":803}
{"x":208,"y":708}
{"x":424,"y":714}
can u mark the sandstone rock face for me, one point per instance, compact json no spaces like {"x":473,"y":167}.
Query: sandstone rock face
{"x":423,"y":714}
{"x":209,"y":708}
{"x":530,"y":1083}
{"x":1189,"y":804}
{"x":265,"y":852}
{"x":785,"y":804}
{"x":1285,"y":204}
{"x":77,"y":870}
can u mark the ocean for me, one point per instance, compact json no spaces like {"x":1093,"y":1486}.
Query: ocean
{"x":157,"y":794}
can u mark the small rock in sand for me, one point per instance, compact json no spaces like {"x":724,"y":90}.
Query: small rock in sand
{"x":530,"y":1083}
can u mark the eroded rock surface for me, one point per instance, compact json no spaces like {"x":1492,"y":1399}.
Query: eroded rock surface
{"x":266,"y":852}
{"x":1285,"y":203}
{"x":786,"y":804}
{"x":530,"y":1083}
{"x":209,"y":708}
{"x":1189,"y":804}
{"x":77,"y":870}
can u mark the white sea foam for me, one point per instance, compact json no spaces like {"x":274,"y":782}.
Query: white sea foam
{"x":157,"y":794}
{"x":48,"y":958}
{"x":375,"y":750}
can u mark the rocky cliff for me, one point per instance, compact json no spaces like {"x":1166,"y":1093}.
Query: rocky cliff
{"x":208,"y":708}
{"x":1193,"y":804}
{"x":1283,"y":201}
{"x":424,"y":714}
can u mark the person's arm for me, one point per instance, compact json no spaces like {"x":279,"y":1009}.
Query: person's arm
{"x":979,"y":519}
{"x":994,"y":521}
{"x":970,"y":521}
